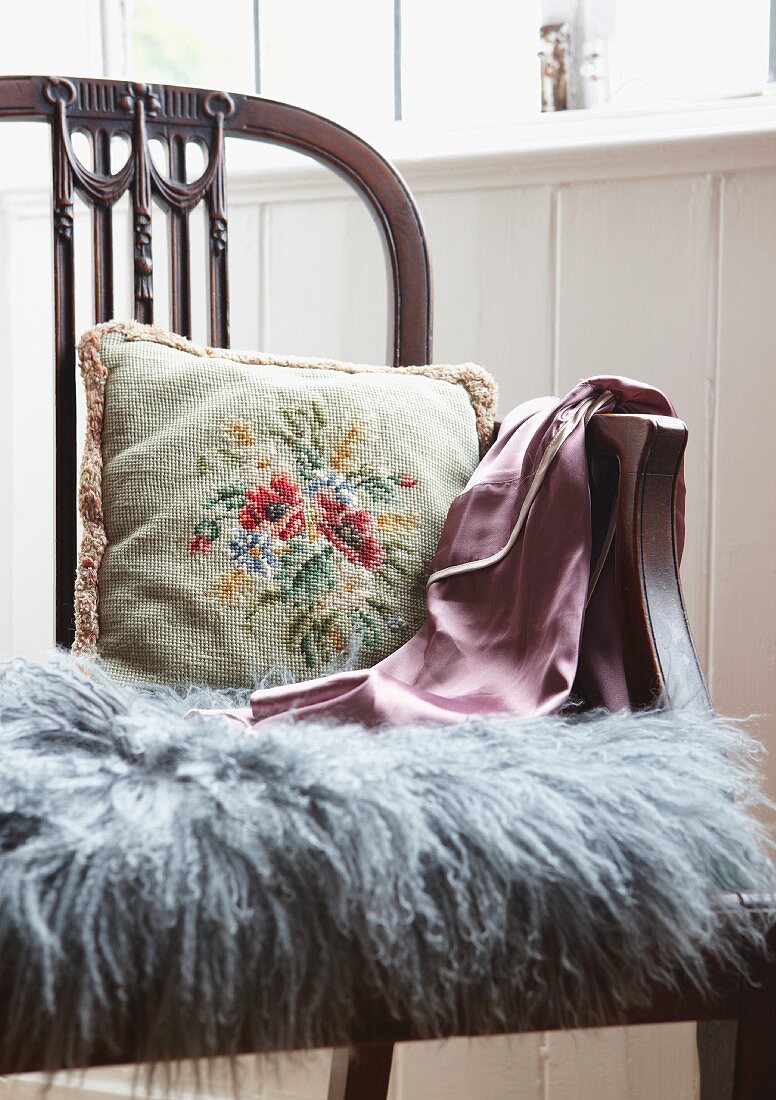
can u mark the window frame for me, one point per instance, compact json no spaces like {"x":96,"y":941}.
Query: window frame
{"x":606,"y":124}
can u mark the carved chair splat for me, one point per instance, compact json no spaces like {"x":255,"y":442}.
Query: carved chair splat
{"x":644,"y":451}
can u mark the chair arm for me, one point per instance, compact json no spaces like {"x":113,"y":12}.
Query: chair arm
{"x":660,"y":659}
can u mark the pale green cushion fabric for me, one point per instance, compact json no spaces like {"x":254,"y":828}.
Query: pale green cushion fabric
{"x":241,"y":517}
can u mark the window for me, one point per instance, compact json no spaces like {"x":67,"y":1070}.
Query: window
{"x":424,"y":64}
{"x":694,"y":48}
{"x":190,"y":42}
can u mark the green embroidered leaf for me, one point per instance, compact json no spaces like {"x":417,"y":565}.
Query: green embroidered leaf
{"x":209,"y":528}
{"x":370,"y":628}
{"x":315,"y":577}
{"x":396,"y":569}
{"x":264,"y":598}
{"x":229,"y":456}
{"x":308,"y":461}
{"x":287,"y":437}
{"x":380,"y":489}
{"x":228,"y":500}
{"x":299,"y":622}
{"x":308,"y":650}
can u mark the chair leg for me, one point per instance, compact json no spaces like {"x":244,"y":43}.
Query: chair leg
{"x":716,"y":1040}
{"x":738,"y":1057}
{"x":755,"y":1072}
{"x":361,"y":1073}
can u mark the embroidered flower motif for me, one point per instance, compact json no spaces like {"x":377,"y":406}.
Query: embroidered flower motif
{"x":392,"y":521}
{"x":231,"y":588}
{"x":328,"y":542}
{"x":254,"y":551}
{"x":351,"y":530}
{"x":235,"y":432}
{"x":276,"y":507}
{"x":338,"y":483}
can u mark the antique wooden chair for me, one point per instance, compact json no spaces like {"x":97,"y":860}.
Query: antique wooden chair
{"x":737,"y":1026}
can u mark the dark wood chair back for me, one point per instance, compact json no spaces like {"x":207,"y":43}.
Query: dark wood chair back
{"x":102,"y":109}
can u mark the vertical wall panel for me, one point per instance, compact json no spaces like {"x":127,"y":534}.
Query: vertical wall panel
{"x":123,"y":274}
{"x":637,"y":285}
{"x":636,"y":1063}
{"x":326,"y":281}
{"x":493,"y":292}
{"x":507,"y":1068}
{"x":744,"y":554}
{"x":297,"y":1076}
{"x":245,"y":276}
{"x":200,"y":282}
{"x":7,"y":457}
{"x":662,"y":1063}
{"x":637,"y":282}
{"x":587,"y":1064}
{"x":32,"y":438}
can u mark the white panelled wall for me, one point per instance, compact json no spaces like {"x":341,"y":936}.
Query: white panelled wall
{"x":653,"y":258}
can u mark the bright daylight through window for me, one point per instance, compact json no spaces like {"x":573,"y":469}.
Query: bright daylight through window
{"x":456,"y":65}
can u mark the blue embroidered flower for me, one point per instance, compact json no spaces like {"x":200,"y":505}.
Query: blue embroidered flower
{"x":343,"y":491}
{"x":253,"y":551}
{"x":395,"y":623}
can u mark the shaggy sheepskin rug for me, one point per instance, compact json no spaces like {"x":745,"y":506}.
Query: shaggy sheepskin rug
{"x":201,"y":890}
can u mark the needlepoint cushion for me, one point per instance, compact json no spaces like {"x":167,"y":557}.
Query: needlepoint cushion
{"x":246,"y":513}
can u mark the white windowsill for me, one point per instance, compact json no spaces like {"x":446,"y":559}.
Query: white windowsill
{"x":601,"y":143}
{"x":607,"y":124}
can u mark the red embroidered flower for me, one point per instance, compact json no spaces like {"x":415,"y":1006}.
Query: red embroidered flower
{"x":408,"y":482}
{"x":200,"y":544}
{"x":351,"y":530}
{"x":276,"y":507}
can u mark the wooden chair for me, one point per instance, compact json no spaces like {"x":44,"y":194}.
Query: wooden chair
{"x":737,"y":1025}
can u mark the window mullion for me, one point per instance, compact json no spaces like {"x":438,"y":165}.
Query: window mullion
{"x":397,"y":61}
{"x":257,"y":46}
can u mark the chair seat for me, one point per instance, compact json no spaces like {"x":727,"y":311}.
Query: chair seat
{"x":171,"y":887}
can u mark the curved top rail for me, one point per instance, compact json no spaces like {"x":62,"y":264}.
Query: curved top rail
{"x":90,"y":103}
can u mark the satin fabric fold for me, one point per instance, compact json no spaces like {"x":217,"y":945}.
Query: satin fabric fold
{"x":514,"y":636}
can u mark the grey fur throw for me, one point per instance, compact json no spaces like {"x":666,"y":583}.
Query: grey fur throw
{"x":179,"y":882}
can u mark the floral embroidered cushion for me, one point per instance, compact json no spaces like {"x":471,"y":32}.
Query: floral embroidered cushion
{"x":248,"y":513}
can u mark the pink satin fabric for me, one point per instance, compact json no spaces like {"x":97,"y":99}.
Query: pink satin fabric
{"x":515,"y":637}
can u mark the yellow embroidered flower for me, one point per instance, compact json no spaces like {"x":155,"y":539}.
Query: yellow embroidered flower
{"x":311,"y":529}
{"x":390,"y":521}
{"x":241,"y":434}
{"x":231,"y":588}
{"x":342,"y":447}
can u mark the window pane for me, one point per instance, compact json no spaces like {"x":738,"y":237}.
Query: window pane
{"x":51,"y":37}
{"x":188,"y":42}
{"x":45,"y":37}
{"x":666,"y":50}
{"x":471,"y":64}
{"x":331,"y":56}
